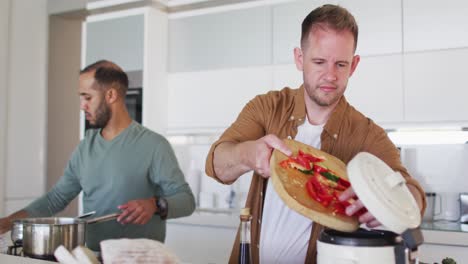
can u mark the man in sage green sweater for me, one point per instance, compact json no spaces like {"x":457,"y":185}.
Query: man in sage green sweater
{"x":120,"y":166}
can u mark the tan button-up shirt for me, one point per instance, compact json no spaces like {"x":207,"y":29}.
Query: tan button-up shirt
{"x":346,"y":133}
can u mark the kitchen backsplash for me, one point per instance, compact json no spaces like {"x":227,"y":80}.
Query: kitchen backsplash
{"x":441,"y":169}
{"x":208,"y":192}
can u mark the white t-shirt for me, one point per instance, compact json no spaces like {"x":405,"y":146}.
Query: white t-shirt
{"x":285,"y":234}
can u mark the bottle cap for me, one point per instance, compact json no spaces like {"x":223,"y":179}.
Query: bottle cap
{"x":245,"y":211}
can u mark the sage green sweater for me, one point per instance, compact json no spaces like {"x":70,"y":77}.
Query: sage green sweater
{"x":137,"y":164}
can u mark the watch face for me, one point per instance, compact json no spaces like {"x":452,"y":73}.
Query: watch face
{"x":162,"y":206}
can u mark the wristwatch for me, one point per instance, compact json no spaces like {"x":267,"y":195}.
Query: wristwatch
{"x":161,"y":204}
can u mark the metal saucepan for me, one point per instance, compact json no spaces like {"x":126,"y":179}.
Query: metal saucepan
{"x":17,"y":232}
{"x":17,"y":229}
{"x":41,"y":236}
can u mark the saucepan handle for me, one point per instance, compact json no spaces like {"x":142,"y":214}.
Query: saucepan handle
{"x":103,"y":218}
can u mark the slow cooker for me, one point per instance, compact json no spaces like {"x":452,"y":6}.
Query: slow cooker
{"x":386,"y":196}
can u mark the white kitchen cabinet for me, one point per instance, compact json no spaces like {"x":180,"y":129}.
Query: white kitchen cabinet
{"x":375,"y":89}
{"x":439,"y":244}
{"x":287,"y":19}
{"x":434,"y":84}
{"x":119,"y":39}
{"x":286,"y":75}
{"x":202,"y":237}
{"x":135,"y":39}
{"x":379,"y":26}
{"x":229,"y":39}
{"x":435,"y":253}
{"x":434,"y":24}
{"x":213,"y":99}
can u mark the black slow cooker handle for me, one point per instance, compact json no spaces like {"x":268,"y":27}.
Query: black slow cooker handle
{"x":412,"y":238}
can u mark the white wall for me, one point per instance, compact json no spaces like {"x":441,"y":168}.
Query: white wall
{"x":4,"y":37}
{"x":26,"y":96}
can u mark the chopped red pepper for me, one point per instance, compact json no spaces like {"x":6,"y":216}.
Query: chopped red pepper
{"x":321,"y":191}
{"x":340,"y":208}
{"x":311,"y":191}
{"x":302,"y":161}
{"x":284,"y":164}
{"x":344,"y":182}
{"x":310,"y":157}
{"x":322,"y":199}
{"x":319,"y":169}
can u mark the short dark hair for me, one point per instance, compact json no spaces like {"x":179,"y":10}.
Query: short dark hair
{"x":107,"y":73}
{"x":329,"y":16}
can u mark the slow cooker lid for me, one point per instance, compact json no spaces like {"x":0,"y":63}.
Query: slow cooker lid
{"x":359,"y":238}
{"x":383,"y":192}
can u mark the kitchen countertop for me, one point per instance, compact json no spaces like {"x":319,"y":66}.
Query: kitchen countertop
{"x":223,"y":218}
{"x":445,"y":233}
{"x":445,"y":226}
{"x":21,"y":260}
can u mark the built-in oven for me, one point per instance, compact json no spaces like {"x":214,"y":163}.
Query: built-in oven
{"x":133,"y":101}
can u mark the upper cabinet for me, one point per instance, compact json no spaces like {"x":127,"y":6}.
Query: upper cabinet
{"x":435,"y":25}
{"x":379,"y":26}
{"x":380,"y":23}
{"x":215,"y":54}
{"x":210,"y":100}
{"x":135,"y":39}
{"x":119,"y":39}
{"x":228,"y":39}
{"x":435,"y":86}
{"x":287,"y":19}
{"x":376,"y":90}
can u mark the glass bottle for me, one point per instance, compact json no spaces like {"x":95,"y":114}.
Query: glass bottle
{"x":244,"y":251}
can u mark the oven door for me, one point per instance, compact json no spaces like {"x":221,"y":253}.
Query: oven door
{"x":133,"y":100}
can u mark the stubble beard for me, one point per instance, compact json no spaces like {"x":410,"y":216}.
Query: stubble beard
{"x":322,"y":101}
{"x":103,"y":115}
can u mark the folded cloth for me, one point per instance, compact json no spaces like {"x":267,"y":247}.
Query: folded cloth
{"x":79,"y":255}
{"x":136,"y":251}
{"x":64,"y":256}
{"x":84,"y":255}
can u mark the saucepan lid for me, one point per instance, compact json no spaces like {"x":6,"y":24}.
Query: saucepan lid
{"x":383,"y":192}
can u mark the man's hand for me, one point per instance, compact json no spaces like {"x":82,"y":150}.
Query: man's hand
{"x":231,"y":160}
{"x":262,"y":150}
{"x":358,"y":208}
{"x":5,"y":225}
{"x":137,"y":212}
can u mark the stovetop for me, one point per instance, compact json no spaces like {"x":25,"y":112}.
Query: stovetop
{"x":17,"y":250}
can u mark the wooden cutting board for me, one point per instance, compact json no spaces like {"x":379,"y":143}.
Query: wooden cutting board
{"x":290,"y":183}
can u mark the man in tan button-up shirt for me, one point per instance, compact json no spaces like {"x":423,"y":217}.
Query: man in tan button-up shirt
{"x":327,"y":59}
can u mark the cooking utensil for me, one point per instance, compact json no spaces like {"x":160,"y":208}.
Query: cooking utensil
{"x":17,"y":229}
{"x":17,"y":232}
{"x":41,"y":236}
